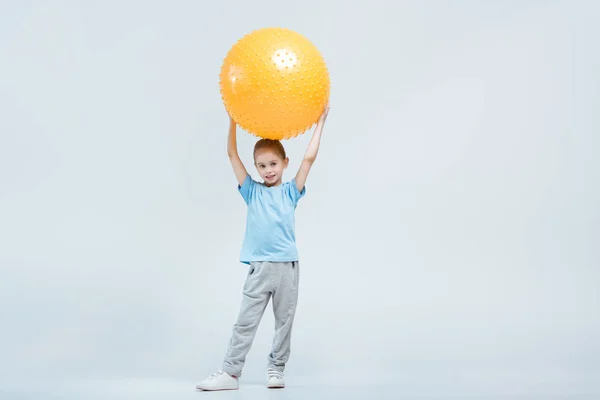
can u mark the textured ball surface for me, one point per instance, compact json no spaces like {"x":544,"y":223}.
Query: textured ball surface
{"x":274,"y":83}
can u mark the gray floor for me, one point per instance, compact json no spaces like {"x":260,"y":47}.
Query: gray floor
{"x":183,"y":390}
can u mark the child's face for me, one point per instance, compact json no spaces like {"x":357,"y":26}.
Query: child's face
{"x":270,"y":166}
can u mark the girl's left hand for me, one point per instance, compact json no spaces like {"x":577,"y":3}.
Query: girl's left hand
{"x":324,"y":115}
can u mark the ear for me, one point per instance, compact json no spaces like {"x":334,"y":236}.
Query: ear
{"x":286,"y":162}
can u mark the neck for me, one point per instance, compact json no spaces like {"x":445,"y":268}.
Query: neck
{"x":273,"y":184}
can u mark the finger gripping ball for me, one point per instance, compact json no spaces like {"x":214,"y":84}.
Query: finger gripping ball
{"x":274,"y":83}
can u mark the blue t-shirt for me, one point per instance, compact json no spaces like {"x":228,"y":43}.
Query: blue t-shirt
{"x":270,"y":224}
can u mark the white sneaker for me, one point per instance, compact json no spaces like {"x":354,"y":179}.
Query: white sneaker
{"x":275,"y":379}
{"x":219,"y":381}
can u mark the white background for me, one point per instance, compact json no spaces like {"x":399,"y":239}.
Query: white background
{"x":449,"y":239}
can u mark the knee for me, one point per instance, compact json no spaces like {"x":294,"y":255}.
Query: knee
{"x":245,"y":326}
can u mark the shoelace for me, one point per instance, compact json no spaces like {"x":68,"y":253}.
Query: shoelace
{"x":275,"y":374}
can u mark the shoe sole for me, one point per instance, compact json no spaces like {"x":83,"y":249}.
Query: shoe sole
{"x":214,"y":390}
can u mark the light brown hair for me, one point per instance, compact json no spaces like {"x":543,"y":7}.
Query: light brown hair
{"x":270,"y":144}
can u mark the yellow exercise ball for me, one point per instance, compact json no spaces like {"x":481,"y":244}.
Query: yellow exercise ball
{"x":274,"y":83}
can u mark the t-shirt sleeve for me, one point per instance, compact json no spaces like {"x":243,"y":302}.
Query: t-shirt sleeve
{"x":293,"y":192}
{"x":246,"y":189}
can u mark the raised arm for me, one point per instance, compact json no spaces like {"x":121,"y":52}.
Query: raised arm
{"x":236,"y":163}
{"x":311,"y":152}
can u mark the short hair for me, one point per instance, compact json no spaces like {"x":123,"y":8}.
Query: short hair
{"x":270,"y":144}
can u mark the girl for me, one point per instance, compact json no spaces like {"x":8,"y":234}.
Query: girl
{"x":269,"y":248}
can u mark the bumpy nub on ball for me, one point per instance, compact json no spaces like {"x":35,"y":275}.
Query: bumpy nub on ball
{"x":274,"y":83}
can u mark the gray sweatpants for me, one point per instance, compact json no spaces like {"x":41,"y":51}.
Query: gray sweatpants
{"x":278,"y":280}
